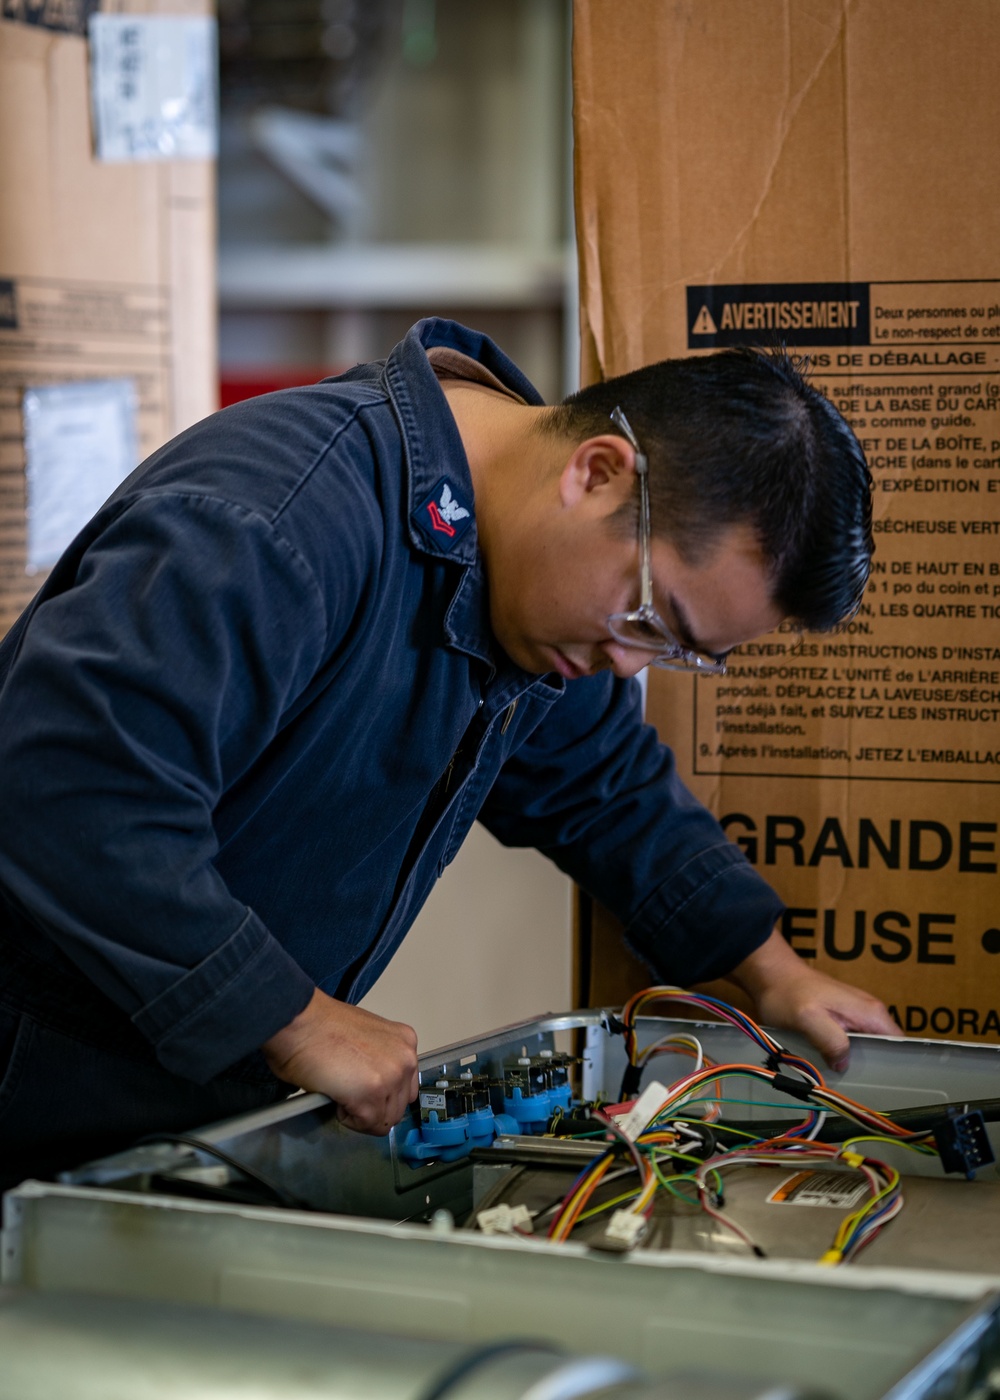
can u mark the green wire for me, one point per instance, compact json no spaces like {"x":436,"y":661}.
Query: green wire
{"x":681,"y":1176}
{"x":671,"y":1186}
{"x":752,"y":1103}
{"x":665,"y":1151}
{"x":606,"y":1205}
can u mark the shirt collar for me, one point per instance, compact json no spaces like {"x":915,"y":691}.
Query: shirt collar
{"x":434,"y":459}
{"x":440,"y":502}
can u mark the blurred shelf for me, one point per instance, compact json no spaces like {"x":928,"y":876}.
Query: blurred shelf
{"x":396,"y":275}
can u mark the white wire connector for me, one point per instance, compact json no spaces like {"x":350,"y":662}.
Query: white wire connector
{"x":505,"y":1220}
{"x":643,"y":1111}
{"x":627,"y":1228}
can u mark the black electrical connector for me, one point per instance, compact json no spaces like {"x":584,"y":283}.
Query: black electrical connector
{"x":631,"y":1080}
{"x":963,"y":1142}
{"x":798,"y":1088}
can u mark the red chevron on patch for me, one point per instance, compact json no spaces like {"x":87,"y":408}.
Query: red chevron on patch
{"x":438,"y":520}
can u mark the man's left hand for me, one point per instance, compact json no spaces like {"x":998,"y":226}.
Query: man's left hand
{"x":790,"y":995}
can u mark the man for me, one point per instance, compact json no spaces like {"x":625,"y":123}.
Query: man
{"x":260,"y":700}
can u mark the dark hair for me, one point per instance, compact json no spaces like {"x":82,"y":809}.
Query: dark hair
{"x":741,"y":436}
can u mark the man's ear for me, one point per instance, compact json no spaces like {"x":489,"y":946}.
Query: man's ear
{"x":599,"y":474}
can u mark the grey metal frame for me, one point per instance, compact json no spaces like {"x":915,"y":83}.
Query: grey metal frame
{"x":865,"y":1333}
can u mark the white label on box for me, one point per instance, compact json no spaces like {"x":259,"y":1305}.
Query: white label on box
{"x":433,"y":1101}
{"x":80,"y":443}
{"x":153,"y":87}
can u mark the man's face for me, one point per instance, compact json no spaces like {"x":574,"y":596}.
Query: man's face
{"x":549,"y":606}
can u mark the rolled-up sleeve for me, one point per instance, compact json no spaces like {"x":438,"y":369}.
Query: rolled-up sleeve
{"x":594,"y":789}
{"x":146,"y":685}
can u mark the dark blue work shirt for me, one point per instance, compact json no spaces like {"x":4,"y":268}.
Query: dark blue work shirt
{"x":257,"y":705}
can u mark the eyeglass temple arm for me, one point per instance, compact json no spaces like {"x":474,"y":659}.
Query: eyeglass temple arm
{"x":645,"y":552}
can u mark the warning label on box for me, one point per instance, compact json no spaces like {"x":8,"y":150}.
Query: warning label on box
{"x":806,"y":313}
{"x":859,"y":769}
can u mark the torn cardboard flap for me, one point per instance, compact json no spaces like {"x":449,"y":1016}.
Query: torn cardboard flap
{"x":824,"y":175}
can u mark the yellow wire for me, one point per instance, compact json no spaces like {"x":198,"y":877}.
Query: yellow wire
{"x":895,"y":1142}
{"x":567,"y":1218}
{"x":850,"y":1222}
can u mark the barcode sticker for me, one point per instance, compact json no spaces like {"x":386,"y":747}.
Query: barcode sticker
{"x":821,"y":1188}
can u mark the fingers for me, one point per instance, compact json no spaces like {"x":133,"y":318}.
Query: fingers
{"x":371,"y":1120}
{"x":824,"y":1010}
{"x":828,"y":1036}
{"x":380,"y":1080}
{"x":364,"y":1063}
{"x":872,"y":1017}
{"x":374,"y":1097}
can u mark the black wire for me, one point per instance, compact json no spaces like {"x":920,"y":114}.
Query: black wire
{"x":280,"y":1194}
{"x":472,"y":1360}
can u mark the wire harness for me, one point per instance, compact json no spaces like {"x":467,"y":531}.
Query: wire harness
{"x":669,"y":1137}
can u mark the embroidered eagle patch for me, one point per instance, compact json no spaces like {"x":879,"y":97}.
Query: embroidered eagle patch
{"x":442,"y":516}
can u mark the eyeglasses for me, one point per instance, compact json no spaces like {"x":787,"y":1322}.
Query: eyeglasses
{"x":644,"y":629}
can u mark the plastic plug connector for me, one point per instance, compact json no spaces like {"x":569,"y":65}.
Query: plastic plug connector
{"x":963,"y":1142}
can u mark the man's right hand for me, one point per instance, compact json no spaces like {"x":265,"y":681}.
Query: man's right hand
{"x":367,"y":1065}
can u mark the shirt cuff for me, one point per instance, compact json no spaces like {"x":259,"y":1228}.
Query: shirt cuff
{"x":711,"y":914}
{"x":227,"y":1006}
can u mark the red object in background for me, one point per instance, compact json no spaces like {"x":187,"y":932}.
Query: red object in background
{"x":236,"y":385}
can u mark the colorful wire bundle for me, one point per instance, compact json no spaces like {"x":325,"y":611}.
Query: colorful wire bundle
{"x":667,"y":1137}
{"x":720,"y":1010}
{"x":587,"y":1182}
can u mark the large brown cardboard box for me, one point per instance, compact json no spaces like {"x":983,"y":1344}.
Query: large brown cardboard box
{"x":826,"y":173}
{"x":106,"y":269}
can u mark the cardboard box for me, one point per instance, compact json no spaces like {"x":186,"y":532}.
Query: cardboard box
{"x":827,"y":173}
{"x":106,"y":270}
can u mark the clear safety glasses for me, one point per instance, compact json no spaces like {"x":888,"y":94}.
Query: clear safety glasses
{"x":644,"y":629}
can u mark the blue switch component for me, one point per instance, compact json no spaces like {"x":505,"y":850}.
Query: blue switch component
{"x":524,"y":1114}
{"x":534,"y":1087}
{"x":455,"y":1117}
{"x":458,"y":1114}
